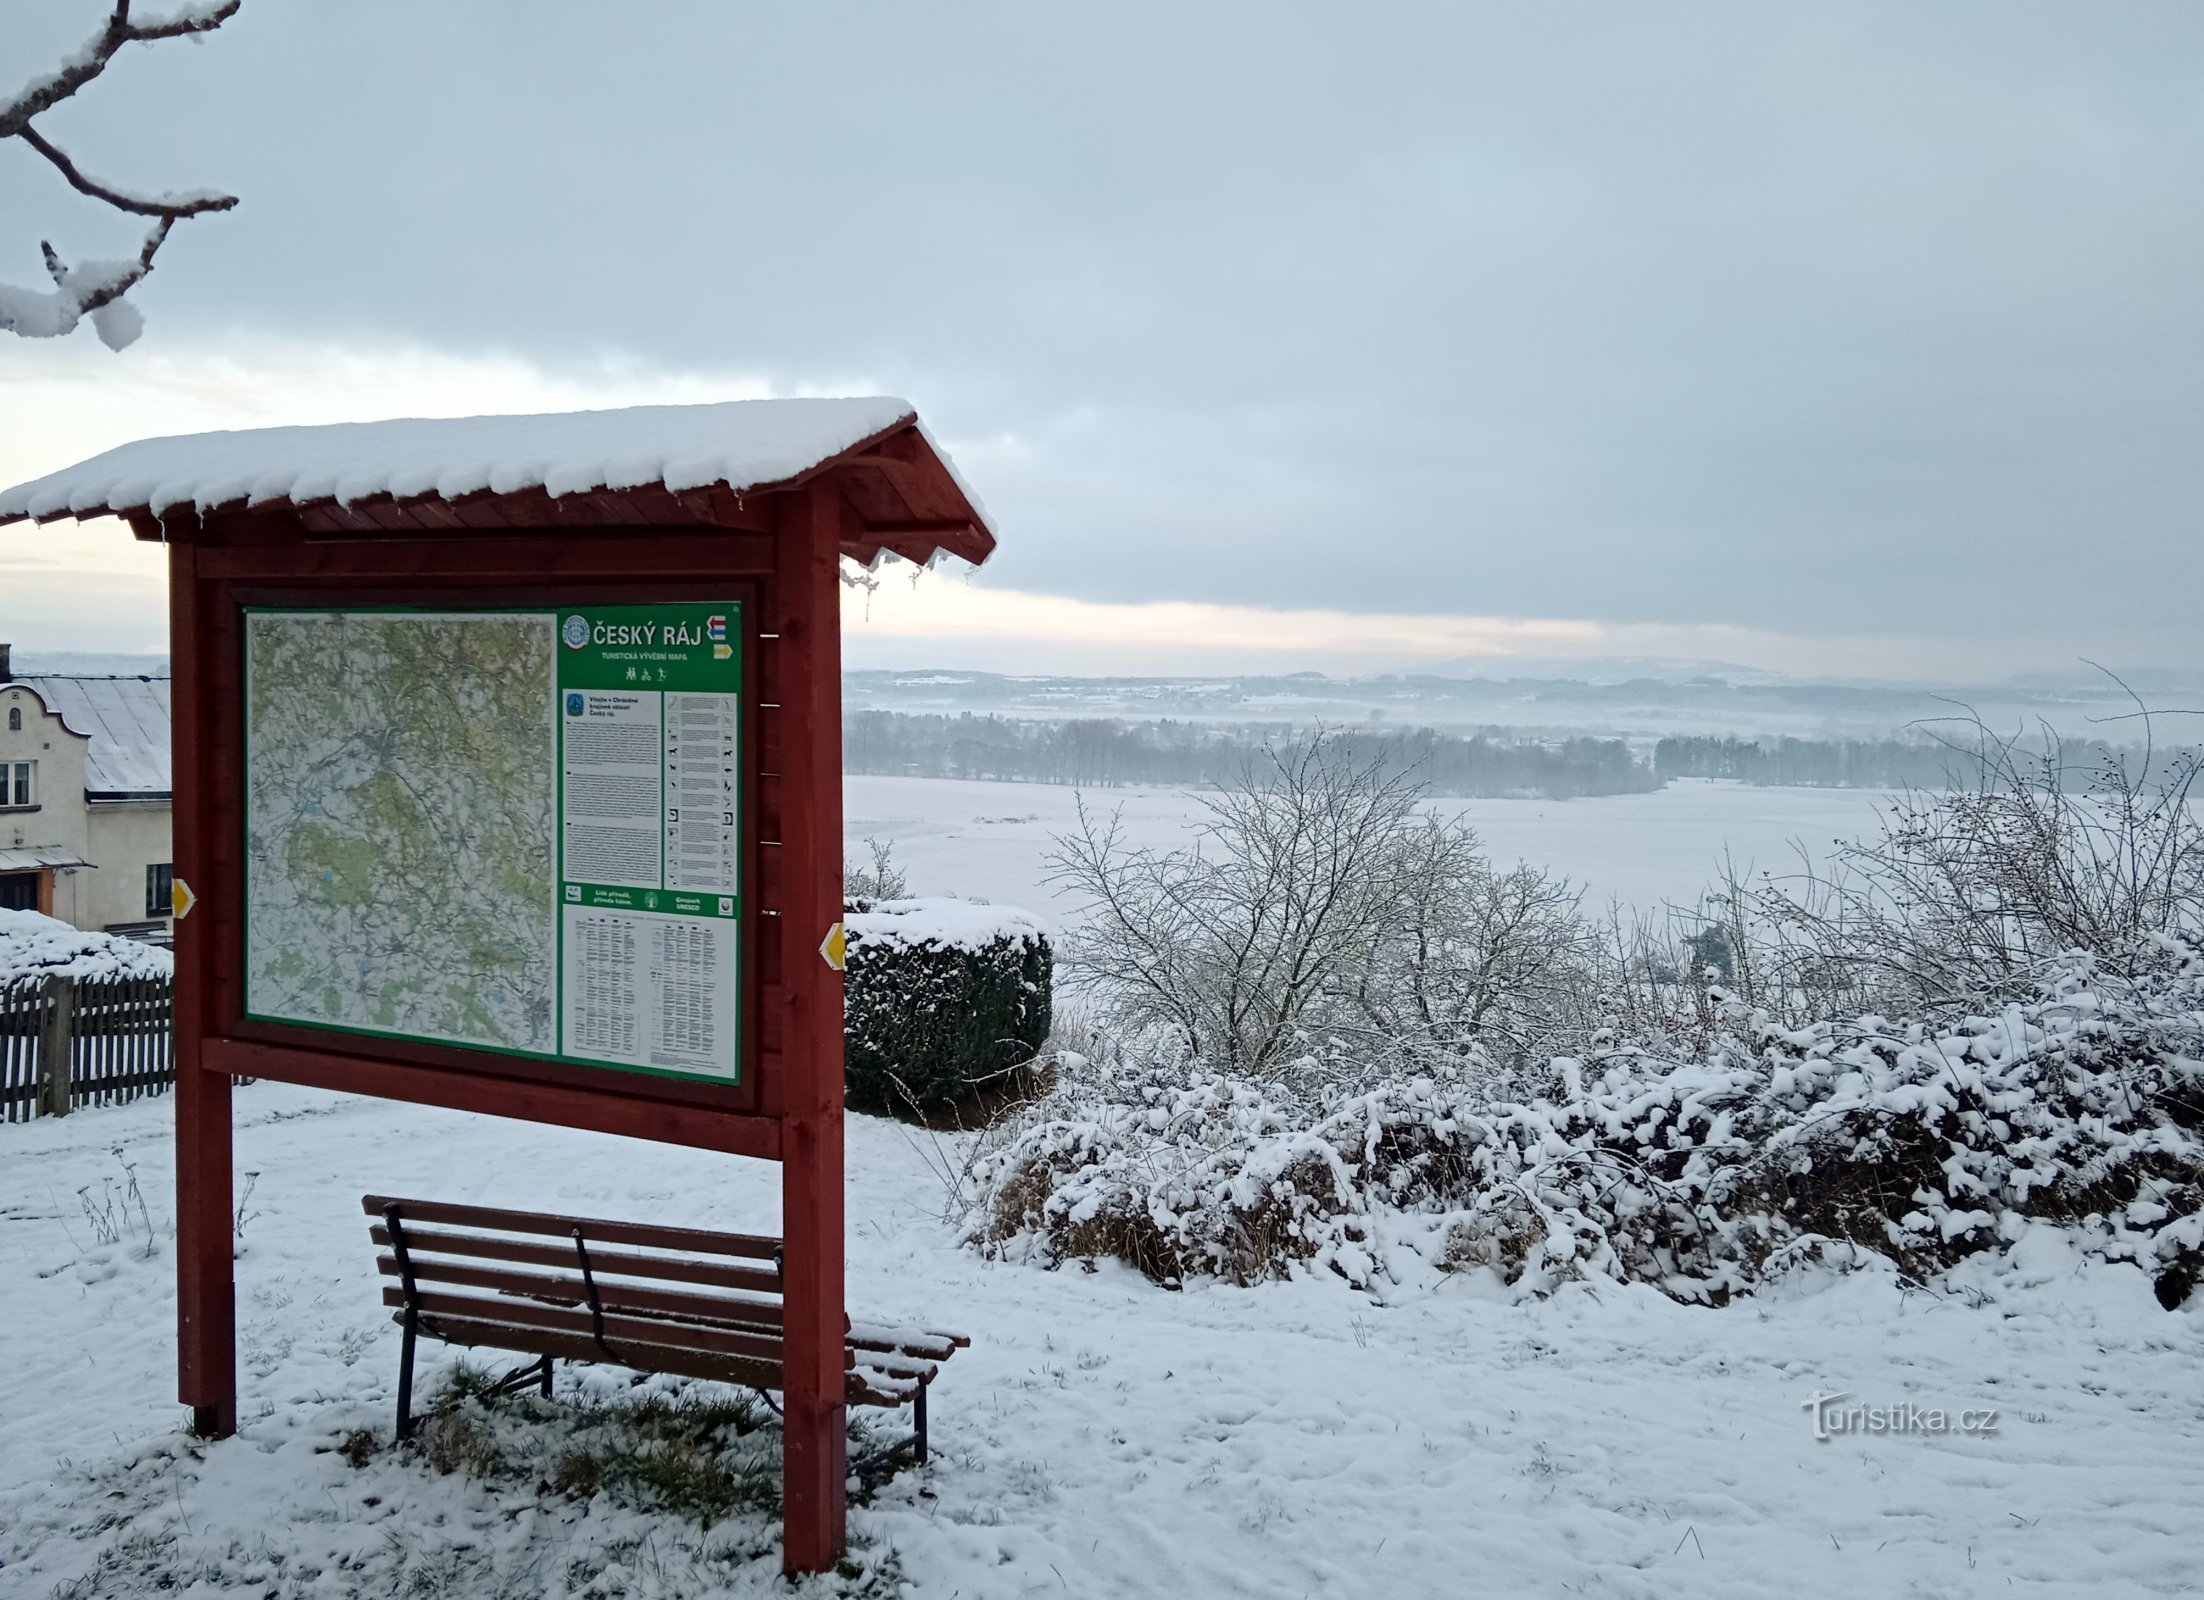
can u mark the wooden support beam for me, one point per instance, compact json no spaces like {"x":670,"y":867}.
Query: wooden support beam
{"x":608,"y":1110}
{"x":206,"y":1273}
{"x":644,"y":553}
{"x":815,"y":1462}
{"x":949,"y":528}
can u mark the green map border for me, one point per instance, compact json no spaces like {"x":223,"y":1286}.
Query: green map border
{"x":557,"y":612}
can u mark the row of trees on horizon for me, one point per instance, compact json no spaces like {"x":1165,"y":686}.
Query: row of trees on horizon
{"x":1105,"y":753}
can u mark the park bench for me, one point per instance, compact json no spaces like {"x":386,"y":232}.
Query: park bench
{"x":655,"y":1299}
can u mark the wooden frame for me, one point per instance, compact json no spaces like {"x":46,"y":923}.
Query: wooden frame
{"x":334,"y":1059}
{"x":780,"y":549}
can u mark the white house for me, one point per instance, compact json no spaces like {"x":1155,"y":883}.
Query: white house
{"x":84,"y":800}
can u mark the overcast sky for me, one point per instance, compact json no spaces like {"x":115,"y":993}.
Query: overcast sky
{"x":1850,"y":338}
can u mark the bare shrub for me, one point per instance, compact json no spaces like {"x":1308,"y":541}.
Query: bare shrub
{"x":878,"y":878}
{"x":1967,"y":897}
{"x":1319,"y":902}
{"x":1475,"y":962}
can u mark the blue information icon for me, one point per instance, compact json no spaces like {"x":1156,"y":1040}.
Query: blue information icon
{"x":573,"y":705}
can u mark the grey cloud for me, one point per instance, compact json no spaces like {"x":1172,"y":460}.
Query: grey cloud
{"x":1878,"y":318}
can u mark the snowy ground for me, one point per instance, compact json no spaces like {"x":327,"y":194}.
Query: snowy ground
{"x":1102,"y":1436}
{"x":992,"y":839}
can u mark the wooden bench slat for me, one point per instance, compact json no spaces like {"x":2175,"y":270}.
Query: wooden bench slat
{"x":569,"y":1290}
{"x":673,"y":1269}
{"x":877,"y":1389}
{"x":642,"y":1334}
{"x":527,"y":1338}
{"x":898,"y":1366}
{"x":595,"y":1229}
{"x":864,"y":1387}
{"x":929,"y":1342}
{"x":535,"y":1292}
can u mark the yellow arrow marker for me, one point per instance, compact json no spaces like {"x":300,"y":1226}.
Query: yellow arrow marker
{"x":180,"y":898}
{"x":835,"y":947}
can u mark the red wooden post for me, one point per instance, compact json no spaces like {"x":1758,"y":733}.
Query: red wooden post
{"x":206,"y":1288}
{"x":815,"y":1463}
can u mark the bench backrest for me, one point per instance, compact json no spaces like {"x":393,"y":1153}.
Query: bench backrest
{"x":684,"y":1300}
{"x":614,"y":1290}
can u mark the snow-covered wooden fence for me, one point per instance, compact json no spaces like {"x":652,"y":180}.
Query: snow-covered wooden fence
{"x":68,"y":1042}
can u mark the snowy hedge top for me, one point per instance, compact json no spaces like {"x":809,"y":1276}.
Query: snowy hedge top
{"x":954,"y":924}
{"x":33,"y":946}
{"x":740,"y":443}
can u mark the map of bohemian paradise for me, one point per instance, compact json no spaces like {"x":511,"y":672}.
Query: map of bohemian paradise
{"x":511,"y":830}
{"x":400,"y":793}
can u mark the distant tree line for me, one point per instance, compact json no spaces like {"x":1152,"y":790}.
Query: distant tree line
{"x":1103,"y":753}
{"x":1816,"y":763}
{"x":1923,"y":763}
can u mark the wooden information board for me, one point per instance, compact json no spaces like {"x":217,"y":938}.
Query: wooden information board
{"x":525,"y":802}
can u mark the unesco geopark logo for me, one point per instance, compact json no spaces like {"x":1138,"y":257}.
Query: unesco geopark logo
{"x":576,"y":631}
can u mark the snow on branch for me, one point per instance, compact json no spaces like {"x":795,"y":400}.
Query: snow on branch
{"x":94,"y":289}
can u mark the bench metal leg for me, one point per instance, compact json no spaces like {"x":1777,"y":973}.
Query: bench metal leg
{"x":534,"y":1375}
{"x":405,"y":1380}
{"x":880,"y":1464}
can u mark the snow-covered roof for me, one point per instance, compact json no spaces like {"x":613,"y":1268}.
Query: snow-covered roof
{"x":739,"y":443}
{"x":126,"y":720}
{"x":35,"y":946}
{"x":28,"y":858}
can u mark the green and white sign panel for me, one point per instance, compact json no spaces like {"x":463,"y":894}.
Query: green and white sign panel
{"x":650,"y":715}
{"x":511,"y":830}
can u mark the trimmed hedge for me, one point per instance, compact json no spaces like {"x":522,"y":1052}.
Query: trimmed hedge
{"x":942,"y":997}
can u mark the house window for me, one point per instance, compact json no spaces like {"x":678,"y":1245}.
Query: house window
{"x":160,"y":880}
{"x":15,"y":719}
{"x":19,"y":783}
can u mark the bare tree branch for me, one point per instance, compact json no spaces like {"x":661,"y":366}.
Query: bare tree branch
{"x":94,"y":289}
{"x":170,"y":210}
{"x":106,"y":293}
{"x":91,"y":58}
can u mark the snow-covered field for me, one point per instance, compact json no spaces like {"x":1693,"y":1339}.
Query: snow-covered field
{"x":1648,"y":850}
{"x":1103,"y":1436}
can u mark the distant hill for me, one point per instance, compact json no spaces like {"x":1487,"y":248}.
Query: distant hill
{"x":28,"y":663}
{"x":1690,"y":699}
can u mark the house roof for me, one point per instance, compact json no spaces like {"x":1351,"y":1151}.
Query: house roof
{"x":42,"y":855}
{"x":126,"y":720}
{"x":635,"y":459}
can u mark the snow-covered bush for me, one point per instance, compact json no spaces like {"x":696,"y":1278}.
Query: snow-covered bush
{"x":35,"y":947}
{"x":1345,"y":1036}
{"x":942,"y":997}
{"x":2080,"y":1104}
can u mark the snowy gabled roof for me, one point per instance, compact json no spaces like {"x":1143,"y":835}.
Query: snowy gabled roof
{"x":738,"y":444}
{"x":127,"y":722}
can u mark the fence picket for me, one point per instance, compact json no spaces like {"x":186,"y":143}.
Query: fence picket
{"x":119,"y":1042}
